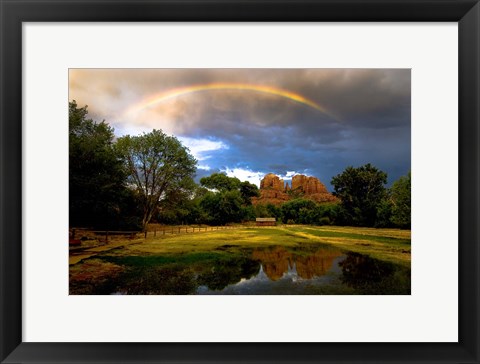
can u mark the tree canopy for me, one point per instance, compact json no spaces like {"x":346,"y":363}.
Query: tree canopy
{"x":229,"y":198}
{"x":220,"y":182}
{"x":361,"y":190}
{"x":157,"y":165}
{"x":98,"y":194}
{"x":401,"y":201}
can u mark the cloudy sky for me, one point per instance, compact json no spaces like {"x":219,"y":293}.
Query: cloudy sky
{"x":249,"y":122}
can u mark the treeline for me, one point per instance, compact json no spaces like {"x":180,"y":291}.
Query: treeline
{"x":128,"y":182}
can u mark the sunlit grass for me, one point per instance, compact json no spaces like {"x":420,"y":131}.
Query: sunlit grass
{"x":390,"y":245}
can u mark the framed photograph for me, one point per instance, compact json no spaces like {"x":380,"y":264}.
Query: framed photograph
{"x":241,"y":205}
{"x":239,"y":181}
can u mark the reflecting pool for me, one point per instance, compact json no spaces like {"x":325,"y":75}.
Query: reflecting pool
{"x":273,"y":270}
{"x":316,"y":271}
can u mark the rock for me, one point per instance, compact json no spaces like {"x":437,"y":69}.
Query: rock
{"x":271,"y":196}
{"x":273,"y":182}
{"x":312,"y":188}
{"x":274,"y":191}
{"x":308,"y":185}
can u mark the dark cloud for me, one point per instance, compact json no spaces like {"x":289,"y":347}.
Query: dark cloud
{"x":367,"y":118}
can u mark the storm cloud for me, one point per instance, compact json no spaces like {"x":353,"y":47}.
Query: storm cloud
{"x":363,"y":116}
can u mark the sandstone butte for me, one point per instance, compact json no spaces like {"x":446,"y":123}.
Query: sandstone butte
{"x":274,"y":191}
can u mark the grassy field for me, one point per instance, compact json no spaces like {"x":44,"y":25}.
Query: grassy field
{"x":175,"y":256}
{"x":390,"y":245}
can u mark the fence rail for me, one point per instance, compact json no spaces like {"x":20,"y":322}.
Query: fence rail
{"x":185,"y":230}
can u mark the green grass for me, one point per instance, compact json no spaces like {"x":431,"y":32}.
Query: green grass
{"x":391,"y":245}
{"x":155,"y":260}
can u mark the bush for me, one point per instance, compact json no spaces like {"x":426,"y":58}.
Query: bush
{"x":324,"y":221}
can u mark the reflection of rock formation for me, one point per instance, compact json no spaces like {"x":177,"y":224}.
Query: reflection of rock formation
{"x":317,"y":264}
{"x":276,"y":262}
{"x":274,"y":191}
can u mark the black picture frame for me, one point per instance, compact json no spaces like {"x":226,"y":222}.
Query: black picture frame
{"x":14,"y":12}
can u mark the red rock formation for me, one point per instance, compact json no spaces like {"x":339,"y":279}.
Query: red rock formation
{"x":274,"y":191}
{"x":308,"y":185}
{"x":272,"y":182}
{"x":271,"y":196}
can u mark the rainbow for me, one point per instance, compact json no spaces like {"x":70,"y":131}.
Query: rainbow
{"x":170,"y":94}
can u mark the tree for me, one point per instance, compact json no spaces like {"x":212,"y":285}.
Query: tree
{"x":157,"y":165}
{"x":361,"y":190}
{"x":220,"y":182}
{"x":97,"y":180}
{"x":223,"y":207}
{"x":297,"y":211}
{"x":179,"y":205}
{"x":401,"y":201}
{"x":228,"y":200}
{"x":323,"y":214}
{"x":384,"y":212}
{"x":248,"y":190}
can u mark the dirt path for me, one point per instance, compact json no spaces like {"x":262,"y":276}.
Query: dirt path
{"x":90,"y":252}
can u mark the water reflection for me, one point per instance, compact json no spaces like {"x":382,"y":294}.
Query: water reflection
{"x":321,"y":270}
{"x":278,"y":261}
{"x":372,"y":276}
{"x":300,"y":270}
{"x":220,"y":274}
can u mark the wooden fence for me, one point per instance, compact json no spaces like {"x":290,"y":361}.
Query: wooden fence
{"x":160,"y":231}
{"x":185,"y":230}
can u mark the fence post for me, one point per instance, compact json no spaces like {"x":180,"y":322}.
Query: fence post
{"x":145,"y":234}
{"x":106,"y":236}
{"x":179,"y":229}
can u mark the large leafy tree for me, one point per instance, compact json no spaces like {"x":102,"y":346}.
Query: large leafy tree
{"x":158,"y":165}
{"x":361,"y":190}
{"x":97,"y":180}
